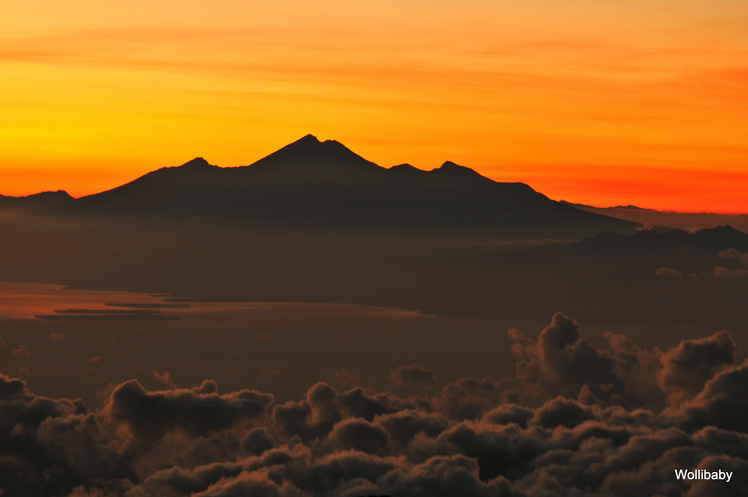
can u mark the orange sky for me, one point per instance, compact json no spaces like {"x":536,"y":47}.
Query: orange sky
{"x":613,"y":102}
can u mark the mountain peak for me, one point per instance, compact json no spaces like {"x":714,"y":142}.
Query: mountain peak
{"x":452,"y":168}
{"x":310,"y":143}
{"x":309,"y":158}
{"x":323,"y":183}
{"x":59,"y":194}
{"x":197,"y":162}
{"x":455,"y":171}
{"x":42,"y":199}
{"x":308,"y":139}
{"x":725,"y":234}
{"x":405,"y":169}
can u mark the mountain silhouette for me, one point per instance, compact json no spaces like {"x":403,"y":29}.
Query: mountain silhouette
{"x":670,"y":219}
{"x":310,"y":160}
{"x":316,"y":183}
{"x":316,"y":222}
{"x":37,"y":200}
{"x":646,"y":242}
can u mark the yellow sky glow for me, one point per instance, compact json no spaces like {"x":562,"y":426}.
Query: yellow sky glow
{"x":596,"y":102}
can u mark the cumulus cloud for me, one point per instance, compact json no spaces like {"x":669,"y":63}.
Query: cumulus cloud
{"x":509,"y":413}
{"x":360,"y":435}
{"x":22,"y":416}
{"x":722,"y":403}
{"x":257,"y":441}
{"x":638,"y":368}
{"x":412,"y":374}
{"x":562,"y":412}
{"x":20,"y":409}
{"x":457,"y":402}
{"x":251,"y":484}
{"x":311,"y":418}
{"x":358,"y":403}
{"x":687,"y":367}
{"x":602,"y":432}
{"x":560,"y":362}
{"x":197,"y":412}
{"x":733,"y":254}
{"x":735,"y":465}
{"x":404,"y":426}
{"x":443,"y":476}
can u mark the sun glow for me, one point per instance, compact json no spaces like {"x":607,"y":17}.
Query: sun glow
{"x":646,"y":101}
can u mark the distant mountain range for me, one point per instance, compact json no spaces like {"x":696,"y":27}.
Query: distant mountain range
{"x":317,"y":184}
{"x":709,"y":239}
{"x":670,"y":219}
{"x":30,"y":202}
{"x":314,"y":222}
{"x":698,"y":250}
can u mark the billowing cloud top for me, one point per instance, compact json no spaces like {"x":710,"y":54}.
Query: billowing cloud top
{"x":576,"y":420}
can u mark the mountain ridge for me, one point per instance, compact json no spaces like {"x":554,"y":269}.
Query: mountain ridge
{"x":34,"y":201}
{"x":668,"y":218}
{"x":317,"y":183}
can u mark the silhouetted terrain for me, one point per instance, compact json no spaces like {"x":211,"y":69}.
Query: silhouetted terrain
{"x":314,"y":222}
{"x":324,"y":185}
{"x":678,"y":220}
{"x":30,"y":202}
{"x":244,"y":277}
{"x":649,"y":277}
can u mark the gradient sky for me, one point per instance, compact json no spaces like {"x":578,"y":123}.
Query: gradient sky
{"x":601,"y":102}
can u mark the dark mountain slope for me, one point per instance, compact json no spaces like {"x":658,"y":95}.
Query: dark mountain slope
{"x":43,"y":199}
{"x":670,"y":219}
{"x":647,"y":242}
{"x":324,"y":184}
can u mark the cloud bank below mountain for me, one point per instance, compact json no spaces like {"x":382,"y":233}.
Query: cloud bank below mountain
{"x":576,"y":419}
